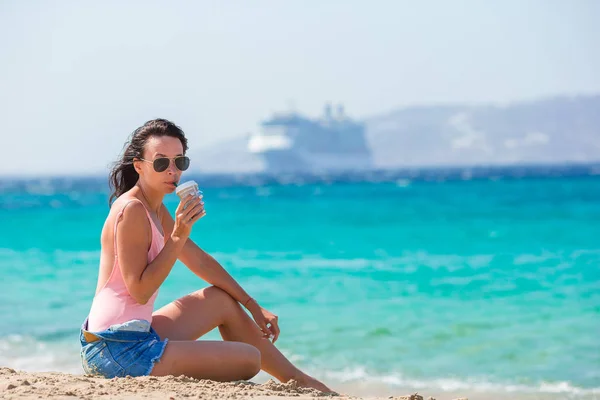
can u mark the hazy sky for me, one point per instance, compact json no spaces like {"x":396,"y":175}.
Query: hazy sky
{"x":76,"y":79}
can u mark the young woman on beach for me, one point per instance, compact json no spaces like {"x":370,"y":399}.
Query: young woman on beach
{"x":141,"y":241}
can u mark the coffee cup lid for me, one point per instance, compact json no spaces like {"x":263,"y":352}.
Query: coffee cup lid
{"x":185,"y":186}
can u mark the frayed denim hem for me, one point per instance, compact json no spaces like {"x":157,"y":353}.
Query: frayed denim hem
{"x":155,"y":359}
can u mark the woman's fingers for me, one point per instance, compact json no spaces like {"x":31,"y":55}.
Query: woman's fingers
{"x":194,"y":212}
{"x":260,"y":321}
{"x":196,"y":208}
{"x":274,"y":328}
{"x":192,"y":206}
{"x":265,"y":330}
{"x":181,"y":204}
{"x":184,"y":207}
{"x":270,"y":330}
{"x":197,"y":217}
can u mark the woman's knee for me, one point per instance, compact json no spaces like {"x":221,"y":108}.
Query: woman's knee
{"x":220,"y":301}
{"x":219,"y":296}
{"x":215,"y":293}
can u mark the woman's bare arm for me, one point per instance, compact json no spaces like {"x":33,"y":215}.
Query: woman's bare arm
{"x":204,"y":265}
{"x":133,"y":241}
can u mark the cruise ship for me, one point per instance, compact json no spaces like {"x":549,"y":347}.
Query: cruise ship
{"x":289,"y":142}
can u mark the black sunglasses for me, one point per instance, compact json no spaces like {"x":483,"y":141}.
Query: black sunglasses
{"x":162,"y":163}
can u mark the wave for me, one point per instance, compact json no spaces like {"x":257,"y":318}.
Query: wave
{"x":29,"y":354}
{"x":369,"y":381}
{"x":407,"y":262}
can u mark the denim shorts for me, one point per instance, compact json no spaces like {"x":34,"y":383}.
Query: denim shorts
{"x":130,"y":349}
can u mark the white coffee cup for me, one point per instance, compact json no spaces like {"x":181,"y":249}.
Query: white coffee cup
{"x":189,"y":187}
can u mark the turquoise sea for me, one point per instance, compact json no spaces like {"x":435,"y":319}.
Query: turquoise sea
{"x":464,"y":280}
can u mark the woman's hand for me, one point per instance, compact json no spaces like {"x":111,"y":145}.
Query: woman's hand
{"x":266,"y":320}
{"x":184,"y":219}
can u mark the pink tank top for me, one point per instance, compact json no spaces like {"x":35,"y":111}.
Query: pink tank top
{"x":113,"y":304}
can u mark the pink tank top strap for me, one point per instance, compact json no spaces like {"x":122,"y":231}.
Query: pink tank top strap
{"x":120,"y":214}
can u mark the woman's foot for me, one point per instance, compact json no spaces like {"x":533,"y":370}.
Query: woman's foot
{"x":305,"y":380}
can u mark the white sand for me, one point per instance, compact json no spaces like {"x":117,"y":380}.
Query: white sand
{"x":54,"y":385}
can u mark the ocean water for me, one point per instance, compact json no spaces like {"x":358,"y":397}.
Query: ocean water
{"x":425,"y":280}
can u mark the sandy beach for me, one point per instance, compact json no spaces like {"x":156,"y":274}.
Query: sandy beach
{"x":57,"y":385}
{"x":24,"y":385}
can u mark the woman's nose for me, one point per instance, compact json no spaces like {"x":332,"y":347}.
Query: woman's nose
{"x":172,"y":168}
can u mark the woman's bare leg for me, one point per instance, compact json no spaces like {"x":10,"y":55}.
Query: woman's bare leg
{"x":219,"y":361}
{"x":192,"y":316}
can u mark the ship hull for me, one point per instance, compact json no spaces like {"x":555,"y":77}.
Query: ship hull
{"x":285,"y":161}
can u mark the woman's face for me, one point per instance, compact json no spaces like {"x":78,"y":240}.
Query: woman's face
{"x":157,"y":147}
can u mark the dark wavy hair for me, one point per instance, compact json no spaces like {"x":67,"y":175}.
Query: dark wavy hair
{"x":123,"y":175}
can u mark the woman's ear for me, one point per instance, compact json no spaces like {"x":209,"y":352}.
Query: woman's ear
{"x":136,"y":165}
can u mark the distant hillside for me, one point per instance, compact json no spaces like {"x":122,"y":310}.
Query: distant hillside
{"x":553,"y":130}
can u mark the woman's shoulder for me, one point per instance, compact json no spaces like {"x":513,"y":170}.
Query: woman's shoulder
{"x":127,"y":204}
{"x":121,"y":209}
{"x":129,"y":214}
{"x":126,"y":214}
{"x":128,"y":208}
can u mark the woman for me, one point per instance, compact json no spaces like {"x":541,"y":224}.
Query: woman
{"x":140,"y":243}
